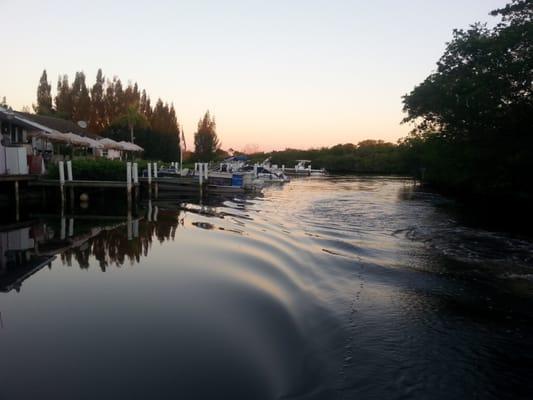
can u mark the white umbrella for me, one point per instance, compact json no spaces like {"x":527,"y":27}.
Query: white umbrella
{"x":95,"y":144}
{"x":56,"y":137}
{"x":76,"y":140}
{"x":110,"y":144}
{"x":128,"y":146}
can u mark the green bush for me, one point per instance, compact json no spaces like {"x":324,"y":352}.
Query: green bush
{"x":99,"y":169}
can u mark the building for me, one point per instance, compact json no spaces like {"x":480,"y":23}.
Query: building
{"x":29,"y":142}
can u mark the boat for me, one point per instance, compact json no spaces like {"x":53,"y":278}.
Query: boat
{"x":303,"y":168}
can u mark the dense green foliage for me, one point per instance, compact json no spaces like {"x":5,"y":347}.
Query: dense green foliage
{"x":474,"y":115}
{"x":114,"y":111}
{"x":369,"y":156}
{"x":44,"y":96}
{"x":99,"y":169}
{"x":206,"y":143}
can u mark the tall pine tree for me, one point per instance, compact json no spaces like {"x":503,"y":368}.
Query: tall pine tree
{"x":81,"y":102}
{"x":206,"y":141}
{"x":44,"y":96}
{"x":97,"y":121}
{"x":63,"y":98}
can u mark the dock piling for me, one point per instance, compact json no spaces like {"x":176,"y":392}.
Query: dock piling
{"x":17,"y":201}
{"x":69,"y":170}
{"x":62,"y":182}
{"x":128,"y":183}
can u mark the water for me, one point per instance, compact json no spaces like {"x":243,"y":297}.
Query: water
{"x":334,"y":288}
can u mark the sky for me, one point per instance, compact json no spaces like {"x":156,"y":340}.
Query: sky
{"x":276,"y":74}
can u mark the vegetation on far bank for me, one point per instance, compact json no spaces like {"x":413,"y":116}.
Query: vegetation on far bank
{"x":368,"y":156}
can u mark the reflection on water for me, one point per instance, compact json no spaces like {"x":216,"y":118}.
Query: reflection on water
{"x":324,"y":288}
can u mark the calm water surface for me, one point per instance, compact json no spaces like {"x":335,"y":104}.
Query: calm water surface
{"x":333,"y":288}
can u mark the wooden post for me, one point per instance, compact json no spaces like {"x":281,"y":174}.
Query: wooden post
{"x":71,"y":227}
{"x":63,"y":227}
{"x":200,"y":173}
{"x":206,"y":169}
{"x":136,"y":228}
{"x":136,"y":181}
{"x":149,"y":180}
{"x":69,"y":170}
{"x":62,"y":182}
{"x":155,"y":170}
{"x":129,"y":225}
{"x":128,"y":184}
{"x":283,"y":168}
{"x":135,"y":173}
{"x":17,"y":201}
{"x":255,"y":170}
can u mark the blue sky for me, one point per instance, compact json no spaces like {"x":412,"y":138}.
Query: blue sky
{"x":276,"y":74}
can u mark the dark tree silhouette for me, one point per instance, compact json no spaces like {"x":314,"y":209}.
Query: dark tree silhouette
{"x":81,"y":102}
{"x":44,"y":96}
{"x":206,"y":141}
{"x":97,"y":120}
{"x":473,"y":115}
{"x":63,"y":98}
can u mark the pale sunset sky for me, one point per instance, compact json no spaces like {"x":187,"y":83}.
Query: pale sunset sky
{"x":275,"y":73}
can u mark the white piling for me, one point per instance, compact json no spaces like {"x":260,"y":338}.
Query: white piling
{"x":135,"y":173}
{"x":136,"y":228}
{"x":283,"y":167}
{"x":62,"y":182}
{"x":255,"y":170}
{"x":149,"y":173}
{"x":69,"y":170}
{"x":61,"y":173}
{"x":71,"y":227}
{"x":206,"y":169}
{"x":201,"y":173}
{"x":128,"y":176}
{"x":155,"y":170}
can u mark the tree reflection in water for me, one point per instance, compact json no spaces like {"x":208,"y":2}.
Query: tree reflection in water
{"x":112,"y":247}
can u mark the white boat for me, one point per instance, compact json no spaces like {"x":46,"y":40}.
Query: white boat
{"x":303,"y":168}
{"x":265,"y":172}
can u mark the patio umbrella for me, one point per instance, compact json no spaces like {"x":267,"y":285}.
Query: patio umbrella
{"x":56,"y":137}
{"x":76,"y":140}
{"x":128,"y":146}
{"x":94,"y":144}
{"x":110,"y":144}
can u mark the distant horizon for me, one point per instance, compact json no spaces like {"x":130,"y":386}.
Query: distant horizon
{"x":300,"y":75}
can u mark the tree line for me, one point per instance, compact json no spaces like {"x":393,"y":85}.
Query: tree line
{"x":367,"y":156}
{"x":473,"y":117}
{"x":111,"y":109}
